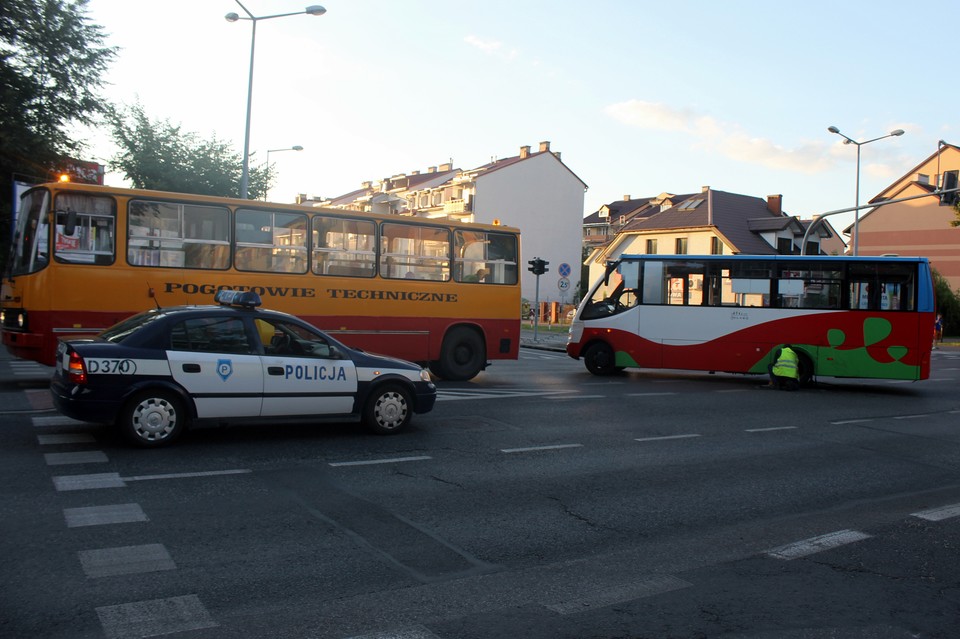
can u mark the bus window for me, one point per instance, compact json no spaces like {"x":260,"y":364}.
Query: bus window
{"x":178,"y":235}
{"x":809,"y":286}
{"x":488,"y":258}
{"x":271,"y":241}
{"x":882,"y":286}
{"x":30,"y":240}
{"x":85,"y":227}
{"x":414,"y":252}
{"x":344,"y":246}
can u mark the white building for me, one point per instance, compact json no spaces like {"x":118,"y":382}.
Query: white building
{"x":533,"y":191}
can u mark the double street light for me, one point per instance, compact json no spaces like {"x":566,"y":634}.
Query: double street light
{"x":848,"y":140}
{"x":313,"y":10}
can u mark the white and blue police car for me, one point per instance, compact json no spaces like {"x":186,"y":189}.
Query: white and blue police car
{"x":157,"y":372}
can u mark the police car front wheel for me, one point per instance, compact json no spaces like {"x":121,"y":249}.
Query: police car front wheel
{"x":388,"y":409}
{"x":153,"y":418}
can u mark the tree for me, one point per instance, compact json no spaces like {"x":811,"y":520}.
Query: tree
{"x":159,"y":155}
{"x":51,"y":62}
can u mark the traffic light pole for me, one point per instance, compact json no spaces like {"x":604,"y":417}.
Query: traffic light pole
{"x":538,"y":267}
{"x":536,"y":311}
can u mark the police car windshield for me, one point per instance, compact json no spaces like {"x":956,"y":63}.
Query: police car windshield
{"x":122,"y":330}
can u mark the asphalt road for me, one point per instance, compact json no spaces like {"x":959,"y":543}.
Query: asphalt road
{"x":536,"y":501}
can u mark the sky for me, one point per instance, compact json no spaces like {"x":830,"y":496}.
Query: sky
{"x":639,"y":97}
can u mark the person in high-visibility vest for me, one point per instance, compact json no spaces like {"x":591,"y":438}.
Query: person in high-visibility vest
{"x":785,"y":369}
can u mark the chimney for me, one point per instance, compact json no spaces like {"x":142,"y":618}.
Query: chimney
{"x":446,"y":167}
{"x":366,"y":185}
{"x":415,"y":172}
{"x":544,"y":146}
{"x":626,"y":198}
{"x":775,"y":204}
{"x":524,"y":152}
{"x":432,"y":169}
{"x":705,"y":189}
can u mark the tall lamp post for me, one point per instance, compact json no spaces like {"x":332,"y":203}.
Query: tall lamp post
{"x":848,"y":140}
{"x":269,"y":151}
{"x":313,"y":10}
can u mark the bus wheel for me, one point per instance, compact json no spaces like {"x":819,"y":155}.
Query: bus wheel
{"x":599,"y":359}
{"x":153,"y":418}
{"x":462,"y":355}
{"x":388,"y":409}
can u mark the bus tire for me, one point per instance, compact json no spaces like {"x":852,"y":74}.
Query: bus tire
{"x":153,"y":418}
{"x":388,"y":409}
{"x":804,"y":369}
{"x":462,"y":355}
{"x":600,"y":360}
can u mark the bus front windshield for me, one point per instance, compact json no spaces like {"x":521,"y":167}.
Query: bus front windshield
{"x":30,"y":251}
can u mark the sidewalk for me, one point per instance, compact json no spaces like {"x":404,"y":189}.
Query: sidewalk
{"x":546,"y":340}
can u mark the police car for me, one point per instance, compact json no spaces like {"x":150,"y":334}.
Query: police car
{"x":159,"y":371}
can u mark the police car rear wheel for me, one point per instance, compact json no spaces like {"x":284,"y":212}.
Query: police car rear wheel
{"x":153,"y":418}
{"x":388,"y":410}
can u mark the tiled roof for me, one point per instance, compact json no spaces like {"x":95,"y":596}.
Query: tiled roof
{"x":736,"y":217}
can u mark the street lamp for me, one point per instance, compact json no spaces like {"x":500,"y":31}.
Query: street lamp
{"x":269,"y":151}
{"x":313,"y":10}
{"x":847,"y":140}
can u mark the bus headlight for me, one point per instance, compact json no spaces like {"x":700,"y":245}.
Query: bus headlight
{"x":21,"y":320}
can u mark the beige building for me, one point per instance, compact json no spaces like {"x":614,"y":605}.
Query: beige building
{"x":711,"y":222}
{"x":921,"y":225}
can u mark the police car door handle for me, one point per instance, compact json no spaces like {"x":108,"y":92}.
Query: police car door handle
{"x":191,"y":368}
{"x":275,"y":370}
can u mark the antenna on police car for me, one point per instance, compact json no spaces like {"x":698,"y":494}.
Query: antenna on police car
{"x":151,"y":292}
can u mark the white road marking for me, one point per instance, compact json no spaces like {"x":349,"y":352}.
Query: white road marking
{"x":851,"y":421}
{"x":665,"y":437}
{"x":912,"y":416}
{"x":103,"y":515}
{"x":125,"y":560}
{"x":370,"y":462}
{"x":65,"y":438}
{"x":56,"y":420}
{"x":649,"y":394}
{"x":155,"y":617}
{"x":647,"y":587}
{"x":939,"y":514}
{"x":817,"y":544}
{"x":415,"y":632}
{"x":209,"y":473}
{"x":765,"y":430}
{"x":114,"y":480}
{"x":81,"y":457}
{"x":88,"y":482}
{"x":536,"y":448}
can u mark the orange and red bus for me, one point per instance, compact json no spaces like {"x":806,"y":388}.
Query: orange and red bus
{"x":866,"y":317}
{"x":442,"y":293}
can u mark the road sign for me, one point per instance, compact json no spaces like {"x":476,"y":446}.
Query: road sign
{"x":564,"y":270}
{"x":563,"y":283}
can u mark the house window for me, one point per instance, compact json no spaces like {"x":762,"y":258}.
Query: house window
{"x":681,"y":246}
{"x":785,"y":246}
{"x":651,"y":247}
{"x":716,"y":246}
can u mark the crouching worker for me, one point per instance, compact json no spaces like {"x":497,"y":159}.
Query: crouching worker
{"x":785,"y":369}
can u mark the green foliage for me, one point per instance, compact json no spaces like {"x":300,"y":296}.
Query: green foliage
{"x":159,"y":155}
{"x":948,"y":304}
{"x":51,"y":62}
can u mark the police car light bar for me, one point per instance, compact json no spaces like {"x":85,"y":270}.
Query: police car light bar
{"x":246,"y":299}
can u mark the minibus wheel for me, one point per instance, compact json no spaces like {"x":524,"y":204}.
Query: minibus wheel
{"x":462,"y":355}
{"x":599,"y":359}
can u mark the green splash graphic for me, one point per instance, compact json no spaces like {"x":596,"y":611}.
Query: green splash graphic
{"x":834,"y":361}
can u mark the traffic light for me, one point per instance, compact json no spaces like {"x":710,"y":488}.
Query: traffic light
{"x":950,"y":179}
{"x":538,"y":266}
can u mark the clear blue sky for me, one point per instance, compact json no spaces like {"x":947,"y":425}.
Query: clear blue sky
{"x":639,"y":97}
